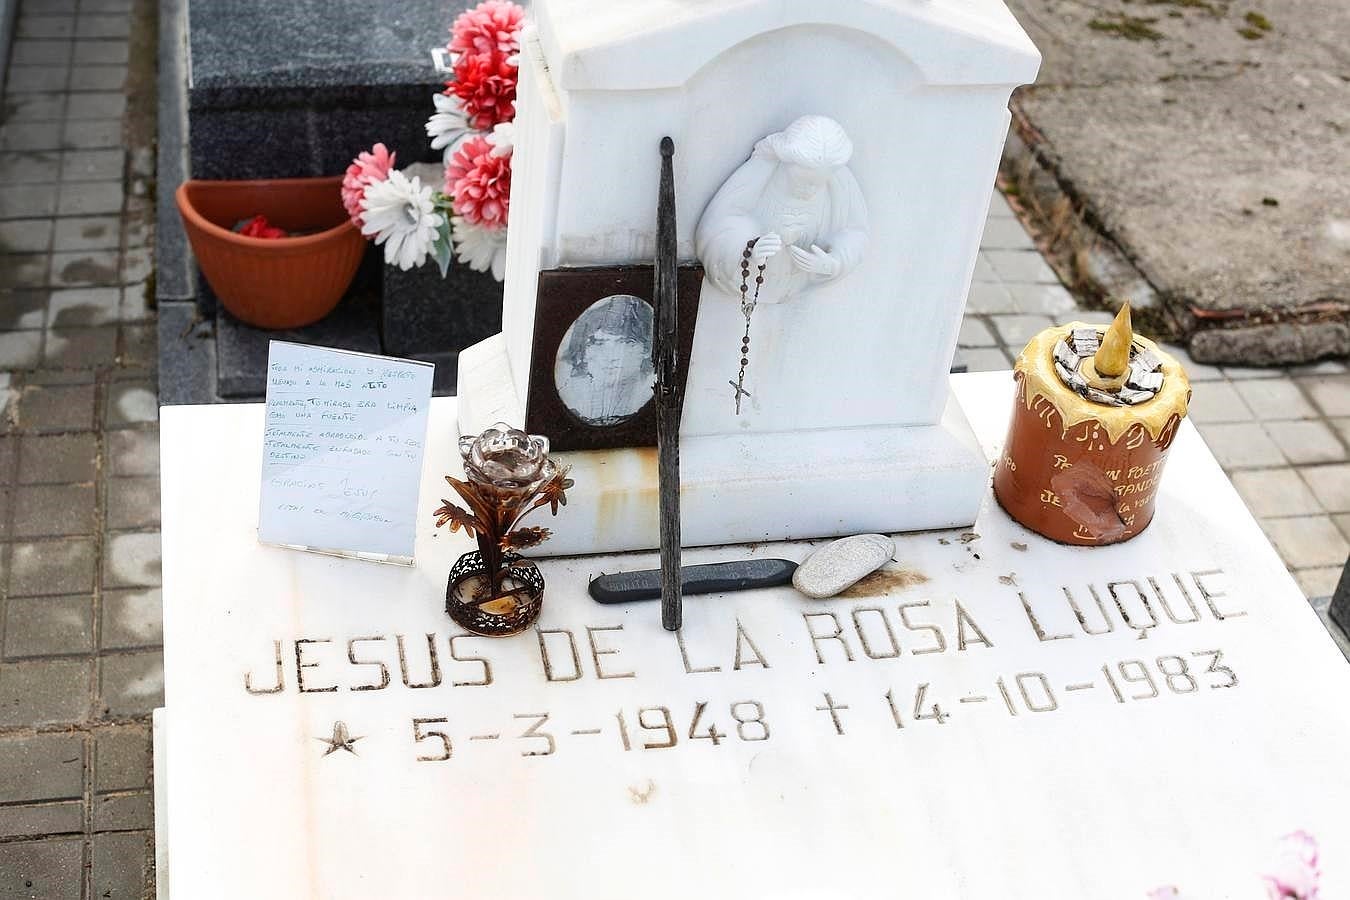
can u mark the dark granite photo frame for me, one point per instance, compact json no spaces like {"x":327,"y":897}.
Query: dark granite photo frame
{"x":563,"y":295}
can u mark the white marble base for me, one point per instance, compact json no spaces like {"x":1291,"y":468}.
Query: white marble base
{"x":1090,"y":781}
{"x":751,"y":487}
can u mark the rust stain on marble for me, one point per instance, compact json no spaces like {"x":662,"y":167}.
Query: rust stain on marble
{"x":885,"y":581}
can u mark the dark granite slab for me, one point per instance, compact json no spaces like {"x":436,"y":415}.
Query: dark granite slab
{"x":265,"y":45}
{"x":175,"y":269}
{"x":424,"y":313}
{"x":290,"y":90}
{"x":187,"y":355}
{"x":9,"y":10}
{"x":446,"y":376}
{"x":241,"y":351}
{"x":295,"y":89}
{"x":1340,"y":601}
{"x":297,"y":142}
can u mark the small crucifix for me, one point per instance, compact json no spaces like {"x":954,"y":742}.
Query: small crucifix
{"x":740,"y":392}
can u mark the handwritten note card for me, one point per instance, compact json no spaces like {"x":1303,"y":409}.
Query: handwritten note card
{"x":342,"y":450}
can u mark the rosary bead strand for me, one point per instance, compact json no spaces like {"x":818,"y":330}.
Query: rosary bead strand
{"x":747,"y":308}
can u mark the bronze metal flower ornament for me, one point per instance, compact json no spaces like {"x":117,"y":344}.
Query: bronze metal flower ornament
{"x":508,"y":475}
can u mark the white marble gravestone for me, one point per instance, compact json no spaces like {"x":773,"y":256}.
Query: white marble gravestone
{"x":998,"y":717}
{"x":850,"y":425}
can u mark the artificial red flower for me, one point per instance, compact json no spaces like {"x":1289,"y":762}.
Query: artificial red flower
{"x":486,"y":87}
{"x":480,"y":183}
{"x":368,"y":167}
{"x":492,"y":26}
{"x":259,"y":227}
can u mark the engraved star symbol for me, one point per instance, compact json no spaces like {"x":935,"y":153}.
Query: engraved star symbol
{"x":341,"y":739}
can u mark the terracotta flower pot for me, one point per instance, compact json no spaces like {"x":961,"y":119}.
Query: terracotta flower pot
{"x":278,"y":283}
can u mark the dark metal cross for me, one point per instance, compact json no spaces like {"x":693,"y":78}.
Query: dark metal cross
{"x":833,"y":710}
{"x":740,"y":392}
{"x":668,"y":391}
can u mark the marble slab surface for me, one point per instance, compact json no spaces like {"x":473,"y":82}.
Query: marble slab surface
{"x":994,"y":716}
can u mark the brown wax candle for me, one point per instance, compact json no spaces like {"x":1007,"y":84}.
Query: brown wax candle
{"x":1095,"y":414}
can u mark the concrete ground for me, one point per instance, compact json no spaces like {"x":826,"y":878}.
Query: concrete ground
{"x":80,"y":608}
{"x":80,"y":663}
{"x":1208,"y":139}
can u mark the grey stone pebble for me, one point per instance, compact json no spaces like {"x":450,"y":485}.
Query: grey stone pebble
{"x":842,"y":563}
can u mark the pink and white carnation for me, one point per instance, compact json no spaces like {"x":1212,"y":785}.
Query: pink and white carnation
{"x":473,"y":127}
{"x":503,"y":139}
{"x":492,"y":26}
{"x":447,"y":126}
{"x":400,"y":213}
{"x":367,"y":169}
{"x":1295,"y":874}
{"x":480,"y":183}
{"x":486,"y":88}
{"x":481,"y":249}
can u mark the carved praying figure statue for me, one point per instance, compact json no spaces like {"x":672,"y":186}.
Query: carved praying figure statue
{"x":794,"y":194}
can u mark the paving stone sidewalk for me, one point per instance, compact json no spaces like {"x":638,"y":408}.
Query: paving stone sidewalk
{"x":79,"y":459}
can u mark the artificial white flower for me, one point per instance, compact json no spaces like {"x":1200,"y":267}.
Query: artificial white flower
{"x":502,"y":138}
{"x":401,"y":214}
{"x":481,"y":249}
{"x":447,"y":127}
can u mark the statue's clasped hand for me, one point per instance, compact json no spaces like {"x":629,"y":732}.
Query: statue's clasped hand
{"x":766,"y":247}
{"x":817,"y":261}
